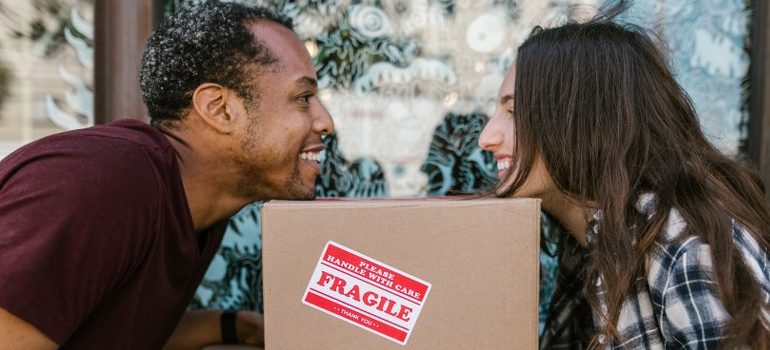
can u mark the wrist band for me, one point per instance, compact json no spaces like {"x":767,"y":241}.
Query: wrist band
{"x":227,"y":327}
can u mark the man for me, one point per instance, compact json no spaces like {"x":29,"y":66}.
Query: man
{"x":106,"y":232}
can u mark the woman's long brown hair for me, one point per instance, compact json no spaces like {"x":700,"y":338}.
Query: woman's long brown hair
{"x":598,"y":102}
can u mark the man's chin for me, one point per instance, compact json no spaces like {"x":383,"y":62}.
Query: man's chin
{"x":300,"y":191}
{"x":306,"y":195}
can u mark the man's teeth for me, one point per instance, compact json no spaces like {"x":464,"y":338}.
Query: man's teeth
{"x":503,"y":164}
{"x":310,"y":156}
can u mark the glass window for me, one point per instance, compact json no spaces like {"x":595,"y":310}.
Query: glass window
{"x":410,"y":85}
{"x":46,"y":69}
{"x":708,"y":54}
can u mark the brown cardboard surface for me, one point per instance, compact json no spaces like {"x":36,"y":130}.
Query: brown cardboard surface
{"x":481,"y":257}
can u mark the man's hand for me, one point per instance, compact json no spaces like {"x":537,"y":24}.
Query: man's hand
{"x":250,"y":328}
{"x":15,"y":333}
{"x":200,"y":328}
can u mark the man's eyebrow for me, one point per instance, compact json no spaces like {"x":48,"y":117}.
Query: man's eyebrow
{"x":307,"y":81}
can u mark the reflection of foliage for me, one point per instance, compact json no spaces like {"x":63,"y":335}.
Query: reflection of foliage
{"x":743,"y":148}
{"x":78,"y":111}
{"x":341,"y":178}
{"x":244,"y":267}
{"x":447,"y":5}
{"x":455,"y":163}
{"x":240,"y":284}
{"x":344,"y":51}
{"x":48,"y":23}
{"x":171,"y":6}
{"x":344,"y":54}
{"x":511,"y":8}
{"x":5,"y":80}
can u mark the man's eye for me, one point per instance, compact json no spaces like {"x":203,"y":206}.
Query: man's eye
{"x":305,"y":98}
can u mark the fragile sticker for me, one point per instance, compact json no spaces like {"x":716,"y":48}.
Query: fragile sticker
{"x":365,"y":292}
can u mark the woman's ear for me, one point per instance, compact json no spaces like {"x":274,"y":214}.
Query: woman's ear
{"x":210,"y":101}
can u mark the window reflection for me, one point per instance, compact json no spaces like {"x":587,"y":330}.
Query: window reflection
{"x":46,"y":49}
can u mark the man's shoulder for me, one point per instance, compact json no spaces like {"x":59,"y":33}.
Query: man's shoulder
{"x":127,"y":145}
{"x":127,"y":159}
{"x":128,"y":130}
{"x":114,"y":138}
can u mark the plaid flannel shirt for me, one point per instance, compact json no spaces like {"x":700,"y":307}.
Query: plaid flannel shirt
{"x":674,"y":304}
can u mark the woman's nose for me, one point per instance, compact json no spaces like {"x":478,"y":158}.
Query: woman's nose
{"x":491,"y":137}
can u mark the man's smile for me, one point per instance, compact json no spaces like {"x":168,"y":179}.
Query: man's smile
{"x":312,"y":156}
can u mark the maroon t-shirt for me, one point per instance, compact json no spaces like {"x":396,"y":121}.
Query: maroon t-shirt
{"x":97,"y":247}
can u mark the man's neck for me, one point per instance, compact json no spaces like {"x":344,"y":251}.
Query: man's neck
{"x":209,"y":196}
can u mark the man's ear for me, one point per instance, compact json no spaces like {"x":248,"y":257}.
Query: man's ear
{"x":210,"y":101}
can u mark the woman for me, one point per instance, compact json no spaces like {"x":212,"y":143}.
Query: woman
{"x":668,"y":237}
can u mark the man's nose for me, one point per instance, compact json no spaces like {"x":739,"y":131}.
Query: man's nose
{"x":322,"y":121}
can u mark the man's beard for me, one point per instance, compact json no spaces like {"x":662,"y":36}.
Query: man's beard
{"x":292,"y":187}
{"x":296,"y":189}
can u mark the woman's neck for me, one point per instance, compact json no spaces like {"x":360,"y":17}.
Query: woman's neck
{"x":571,"y":214}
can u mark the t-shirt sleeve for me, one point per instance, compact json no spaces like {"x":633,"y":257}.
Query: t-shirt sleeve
{"x":74,"y":222}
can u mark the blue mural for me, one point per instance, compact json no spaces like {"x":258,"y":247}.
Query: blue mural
{"x":705,"y":41}
{"x":455,"y":163}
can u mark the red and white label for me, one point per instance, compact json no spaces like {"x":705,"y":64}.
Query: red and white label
{"x":365,"y":292}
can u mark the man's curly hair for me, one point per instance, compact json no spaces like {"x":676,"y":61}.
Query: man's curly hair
{"x":207,"y":43}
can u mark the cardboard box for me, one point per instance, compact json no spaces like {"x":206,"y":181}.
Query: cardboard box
{"x":401,"y":274}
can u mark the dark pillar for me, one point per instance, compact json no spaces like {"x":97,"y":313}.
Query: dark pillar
{"x":122,"y":28}
{"x":759,"y":104}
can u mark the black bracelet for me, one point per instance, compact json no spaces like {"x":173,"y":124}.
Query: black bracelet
{"x":227,"y":327}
